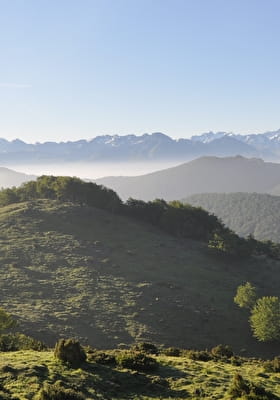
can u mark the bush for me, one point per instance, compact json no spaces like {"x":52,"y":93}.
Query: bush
{"x":58,"y":392}
{"x":246,"y":296}
{"x":247,"y":390}
{"x":172,"y":352}
{"x":70,"y":351}
{"x":144,"y":347}
{"x":197,"y":355}
{"x":19,"y":341}
{"x":222,"y":351}
{"x":100,"y":357}
{"x":273,"y":365}
{"x":136,"y":360}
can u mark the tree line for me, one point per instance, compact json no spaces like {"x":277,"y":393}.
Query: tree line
{"x":178,"y":219}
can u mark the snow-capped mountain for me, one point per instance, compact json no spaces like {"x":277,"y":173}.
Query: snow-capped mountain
{"x":147,"y":147}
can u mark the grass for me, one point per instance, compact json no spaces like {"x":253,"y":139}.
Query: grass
{"x":71,"y":271}
{"x":24,"y":373}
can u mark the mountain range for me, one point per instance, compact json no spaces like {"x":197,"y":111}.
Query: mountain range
{"x":205,"y":174}
{"x":153,"y":147}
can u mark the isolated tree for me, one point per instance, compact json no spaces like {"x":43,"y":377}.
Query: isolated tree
{"x":6,"y":321}
{"x":265,"y":319}
{"x":246,"y":296}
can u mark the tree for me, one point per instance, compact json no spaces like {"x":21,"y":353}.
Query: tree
{"x":6,"y":321}
{"x":245,"y":296}
{"x":265,"y":319}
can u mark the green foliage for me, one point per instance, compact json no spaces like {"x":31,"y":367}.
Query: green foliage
{"x":19,"y":341}
{"x":256,"y":214}
{"x":58,"y":392}
{"x":6,"y":321}
{"x":246,"y":295}
{"x":230,"y":244}
{"x":144,"y":347}
{"x":222,"y":351}
{"x":65,"y":189}
{"x":101,"y":357}
{"x":198,"y":355}
{"x":265,"y":319}
{"x":242,"y":389}
{"x":272,"y":365}
{"x":176,"y":218}
{"x":70,"y":351}
{"x":136,"y":360}
{"x":172,"y":351}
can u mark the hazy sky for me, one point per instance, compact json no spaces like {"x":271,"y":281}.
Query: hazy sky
{"x":73,"y":69}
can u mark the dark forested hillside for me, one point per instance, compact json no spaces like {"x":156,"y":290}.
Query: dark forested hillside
{"x":245,"y":213}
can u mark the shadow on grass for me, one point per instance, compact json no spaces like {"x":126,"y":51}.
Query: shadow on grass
{"x":128,"y":383}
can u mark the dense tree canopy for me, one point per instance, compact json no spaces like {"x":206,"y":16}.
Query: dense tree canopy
{"x":265,"y":319}
{"x":246,"y":295}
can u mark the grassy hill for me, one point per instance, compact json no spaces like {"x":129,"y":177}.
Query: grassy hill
{"x":245,"y":213}
{"x":24,"y":373}
{"x":68,"y":270}
{"x":205,"y":174}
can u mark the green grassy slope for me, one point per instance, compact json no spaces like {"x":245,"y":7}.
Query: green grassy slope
{"x":245,"y":213}
{"x":76,"y":271}
{"x":23,"y":374}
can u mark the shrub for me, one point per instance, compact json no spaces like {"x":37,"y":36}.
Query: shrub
{"x":19,"y":341}
{"x":70,"y":351}
{"x":172,"y":351}
{"x":222,"y":351}
{"x":100,"y":357}
{"x":247,"y":390}
{"x":246,"y":296}
{"x":136,"y":360}
{"x":197,"y":355}
{"x":147,"y":348}
{"x":58,"y":392}
{"x":273,"y":365}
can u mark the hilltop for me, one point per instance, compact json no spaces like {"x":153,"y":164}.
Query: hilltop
{"x":205,"y":174}
{"x":245,"y":213}
{"x":70,"y":270}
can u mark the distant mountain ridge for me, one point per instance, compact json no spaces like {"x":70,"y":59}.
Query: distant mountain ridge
{"x":205,"y":174}
{"x":9,"y":178}
{"x":153,"y":147}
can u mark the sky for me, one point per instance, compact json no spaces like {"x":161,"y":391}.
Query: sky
{"x":73,"y":69}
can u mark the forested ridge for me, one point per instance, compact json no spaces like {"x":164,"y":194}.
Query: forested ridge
{"x":257,"y":214}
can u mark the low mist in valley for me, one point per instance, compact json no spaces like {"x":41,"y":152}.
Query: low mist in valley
{"x":92,"y":170}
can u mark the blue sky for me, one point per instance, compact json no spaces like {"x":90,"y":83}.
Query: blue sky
{"x":76,"y":69}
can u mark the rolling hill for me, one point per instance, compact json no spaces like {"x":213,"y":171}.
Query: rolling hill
{"x":69,"y":270}
{"x":205,"y":174}
{"x":9,"y":178}
{"x":245,"y":213}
